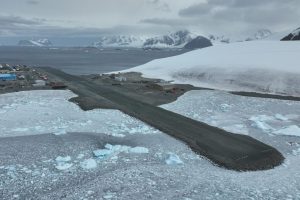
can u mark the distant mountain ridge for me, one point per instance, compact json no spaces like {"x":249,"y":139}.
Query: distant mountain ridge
{"x":172,"y":40}
{"x":119,"y":41}
{"x":35,"y":43}
{"x":178,"y":39}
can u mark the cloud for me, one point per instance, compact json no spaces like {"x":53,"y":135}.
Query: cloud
{"x":274,"y":14}
{"x":159,"y":5}
{"x":164,"y":21}
{"x":12,"y":21}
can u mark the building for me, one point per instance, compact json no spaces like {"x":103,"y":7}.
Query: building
{"x":8,"y":77}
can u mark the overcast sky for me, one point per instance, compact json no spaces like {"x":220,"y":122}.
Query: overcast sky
{"x":144,"y":17}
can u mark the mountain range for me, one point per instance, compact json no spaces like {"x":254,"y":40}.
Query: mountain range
{"x":38,"y":43}
{"x":179,"y":39}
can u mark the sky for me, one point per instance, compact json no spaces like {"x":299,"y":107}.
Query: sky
{"x":92,"y":18}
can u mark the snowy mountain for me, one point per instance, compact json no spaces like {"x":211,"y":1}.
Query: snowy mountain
{"x":257,"y":66}
{"x":119,"y":41}
{"x":218,"y":39}
{"x":35,"y":43}
{"x":259,"y":35}
{"x":172,"y":40}
{"x":295,"y":35}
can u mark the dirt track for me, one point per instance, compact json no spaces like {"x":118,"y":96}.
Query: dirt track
{"x":232,"y":151}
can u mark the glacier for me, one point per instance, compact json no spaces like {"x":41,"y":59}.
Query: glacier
{"x":255,"y":66}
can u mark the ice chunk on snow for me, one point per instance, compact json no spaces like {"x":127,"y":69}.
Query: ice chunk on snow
{"x":63,"y":166}
{"x":60,"y":132}
{"x":296,"y":152}
{"x":63,"y":159}
{"x":20,"y":129}
{"x":173,"y":159}
{"x":281,"y":117}
{"x":139,"y":150}
{"x":260,"y":122}
{"x":62,"y":163}
{"x":291,"y":130}
{"x":80,"y":156}
{"x":113,"y":150}
{"x":109,"y":195}
{"x":88,"y":164}
{"x":101,"y":153}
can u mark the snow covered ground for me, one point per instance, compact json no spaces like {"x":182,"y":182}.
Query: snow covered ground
{"x":40,"y":112}
{"x":259,"y":66}
{"x":239,"y":114}
{"x":89,"y":162}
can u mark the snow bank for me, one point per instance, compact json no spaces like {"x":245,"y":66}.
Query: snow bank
{"x":41,"y":112}
{"x":261,"y":66}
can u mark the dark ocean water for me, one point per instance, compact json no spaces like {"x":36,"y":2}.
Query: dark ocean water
{"x":82,"y":60}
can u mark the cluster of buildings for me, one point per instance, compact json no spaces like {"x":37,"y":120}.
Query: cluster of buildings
{"x":11,"y":73}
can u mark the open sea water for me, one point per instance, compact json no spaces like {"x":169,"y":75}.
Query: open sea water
{"x":82,"y":60}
